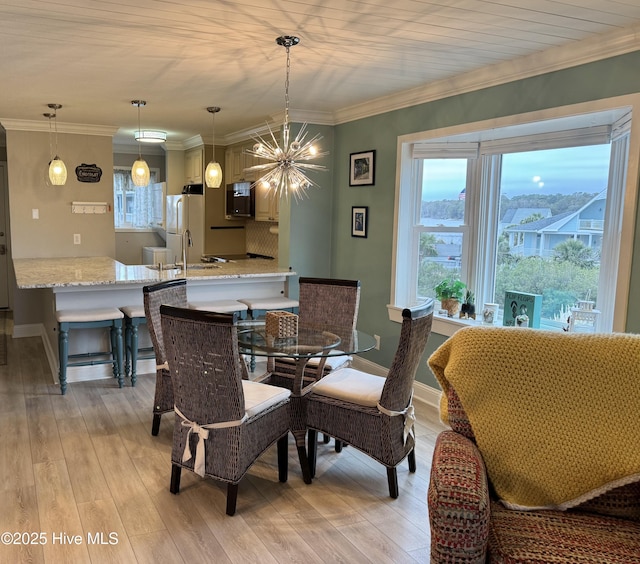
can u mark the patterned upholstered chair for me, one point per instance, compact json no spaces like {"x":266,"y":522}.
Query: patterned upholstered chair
{"x":473,"y":517}
{"x":322,"y":302}
{"x":170,"y":292}
{"x":372,"y":413}
{"x":223,"y":423}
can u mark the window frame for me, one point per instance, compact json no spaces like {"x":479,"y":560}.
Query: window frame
{"x":404,"y":260}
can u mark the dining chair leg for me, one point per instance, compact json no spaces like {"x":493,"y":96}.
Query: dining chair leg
{"x":392,"y":479}
{"x":174,"y":488}
{"x":232,"y":498}
{"x":312,"y":449}
{"x":155,"y":426}
{"x":283,"y":458}
{"x":412,"y":460}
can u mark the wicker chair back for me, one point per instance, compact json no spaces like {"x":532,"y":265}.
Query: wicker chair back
{"x":171,"y":292}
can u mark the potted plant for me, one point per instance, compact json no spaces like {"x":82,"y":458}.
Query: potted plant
{"x":468,"y":307}
{"x":450,"y":293}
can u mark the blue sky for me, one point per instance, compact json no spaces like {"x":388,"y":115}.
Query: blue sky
{"x":553,"y":171}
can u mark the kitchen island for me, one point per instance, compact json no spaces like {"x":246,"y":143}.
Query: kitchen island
{"x":91,"y":282}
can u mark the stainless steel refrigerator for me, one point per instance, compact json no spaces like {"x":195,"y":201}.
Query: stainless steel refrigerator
{"x":185,"y":212}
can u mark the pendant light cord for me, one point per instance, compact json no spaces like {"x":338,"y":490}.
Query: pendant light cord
{"x":55,"y":121}
{"x":286,"y":91}
{"x":139,"y":143}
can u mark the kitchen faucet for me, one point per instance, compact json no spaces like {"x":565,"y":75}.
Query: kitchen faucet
{"x":186,"y":242}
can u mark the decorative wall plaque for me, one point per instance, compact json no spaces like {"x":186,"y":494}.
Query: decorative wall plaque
{"x":88,"y":173}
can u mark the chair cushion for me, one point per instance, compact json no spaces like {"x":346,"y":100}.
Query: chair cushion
{"x":133,"y":311}
{"x":349,"y":384}
{"x":561,"y":537}
{"x":219,"y":306}
{"x":335,"y":360}
{"x":277,"y":302}
{"x":87,"y":315}
{"x":260,"y":397}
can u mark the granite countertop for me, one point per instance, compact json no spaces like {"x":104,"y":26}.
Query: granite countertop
{"x":104,"y":271}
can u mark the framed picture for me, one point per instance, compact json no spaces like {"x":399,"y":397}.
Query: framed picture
{"x":362,"y":168}
{"x":359,"y":221}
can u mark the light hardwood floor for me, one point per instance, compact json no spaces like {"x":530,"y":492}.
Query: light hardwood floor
{"x":84,"y":468}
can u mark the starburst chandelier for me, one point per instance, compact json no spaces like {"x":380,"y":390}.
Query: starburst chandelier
{"x":285,"y":172}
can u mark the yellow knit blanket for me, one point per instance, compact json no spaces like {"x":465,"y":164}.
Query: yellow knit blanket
{"x":556,"y":416}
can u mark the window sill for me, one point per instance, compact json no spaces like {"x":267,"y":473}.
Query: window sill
{"x":442,"y":325}
{"x":135,"y":230}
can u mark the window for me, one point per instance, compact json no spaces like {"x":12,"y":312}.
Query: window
{"x":137,"y":207}
{"x":532,"y":208}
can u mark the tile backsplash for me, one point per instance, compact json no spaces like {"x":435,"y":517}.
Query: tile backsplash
{"x":260,"y":239}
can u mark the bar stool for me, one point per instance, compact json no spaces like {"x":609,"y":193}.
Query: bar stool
{"x":68,"y":319}
{"x":255,"y":306}
{"x":134,"y":316}
{"x":221,"y":306}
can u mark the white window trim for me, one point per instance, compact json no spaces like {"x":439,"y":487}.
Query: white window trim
{"x":401,"y":295}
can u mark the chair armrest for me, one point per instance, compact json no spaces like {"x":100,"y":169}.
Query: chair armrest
{"x":458,"y":501}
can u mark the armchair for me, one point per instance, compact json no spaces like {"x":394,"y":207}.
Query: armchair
{"x":542,"y":462}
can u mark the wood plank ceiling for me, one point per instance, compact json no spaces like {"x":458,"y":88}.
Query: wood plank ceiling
{"x":94,"y":57}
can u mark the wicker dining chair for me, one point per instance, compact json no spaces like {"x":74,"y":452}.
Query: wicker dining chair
{"x":323,"y":302}
{"x":170,"y":292}
{"x":223,"y":422}
{"x":372,"y":413}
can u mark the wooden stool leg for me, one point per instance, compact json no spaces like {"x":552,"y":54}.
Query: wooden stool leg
{"x":63,"y":353}
{"x":127,"y":346}
{"x":116,"y":351}
{"x":133,"y":355}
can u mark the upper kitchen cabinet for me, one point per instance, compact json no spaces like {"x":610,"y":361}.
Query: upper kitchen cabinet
{"x":234,"y":164}
{"x":237,"y":160}
{"x":267,"y":204}
{"x":193,"y":165}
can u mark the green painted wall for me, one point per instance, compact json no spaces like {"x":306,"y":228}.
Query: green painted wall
{"x":305,"y":226}
{"x":370,"y":259}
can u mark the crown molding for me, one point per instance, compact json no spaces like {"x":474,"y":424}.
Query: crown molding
{"x":195,"y":141}
{"x":556,"y":58}
{"x":77,"y":128}
{"x":276,"y":121}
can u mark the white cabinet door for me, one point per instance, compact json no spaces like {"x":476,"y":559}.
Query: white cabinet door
{"x":193,"y":159}
{"x":267,"y":204}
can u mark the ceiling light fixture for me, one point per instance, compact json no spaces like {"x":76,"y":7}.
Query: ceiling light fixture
{"x":140,"y":170}
{"x":213,"y":174}
{"x":285,"y":173}
{"x":57,"y":168}
{"x":150,"y":136}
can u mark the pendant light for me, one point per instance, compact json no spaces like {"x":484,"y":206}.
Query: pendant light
{"x":140,"y":170}
{"x":57,"y":168}
{"x":283,"y":171}
{"x":213,"y":174}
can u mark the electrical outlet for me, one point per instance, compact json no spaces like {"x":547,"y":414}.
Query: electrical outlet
{"x":35,"y":213}
{"x":377,"y":338}
{"x":76,"y":239}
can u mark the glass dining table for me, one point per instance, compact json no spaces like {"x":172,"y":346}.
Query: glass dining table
{"x":321,"y":342}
